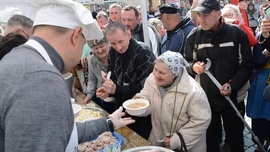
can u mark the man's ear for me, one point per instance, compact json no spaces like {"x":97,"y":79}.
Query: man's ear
{"x":138,"y":20}
{"x":76,"y":35}
{"x":219,"y":14}
{"x":129,"y":34}
{"x":17,"y":31}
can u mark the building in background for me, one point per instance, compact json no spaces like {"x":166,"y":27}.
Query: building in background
{"x":93,"y":5}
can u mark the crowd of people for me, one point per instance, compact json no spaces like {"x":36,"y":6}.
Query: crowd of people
{"x":186,"y":43}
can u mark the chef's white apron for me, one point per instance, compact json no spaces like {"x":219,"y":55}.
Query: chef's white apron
{"x":73,"y":141}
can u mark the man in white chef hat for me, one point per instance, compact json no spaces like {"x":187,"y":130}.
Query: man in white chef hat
{"x":35,"y":109}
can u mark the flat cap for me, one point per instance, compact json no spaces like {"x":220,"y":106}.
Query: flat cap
{"x":207,"y":6}
{"x":168,"y":9}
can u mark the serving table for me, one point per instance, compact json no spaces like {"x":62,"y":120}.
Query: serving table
{"x":131,"y":138}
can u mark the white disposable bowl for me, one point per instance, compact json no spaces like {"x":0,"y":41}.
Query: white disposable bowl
{"x":76,"y":109}
{"x":135,"y":111}
{"x":72,"y":100}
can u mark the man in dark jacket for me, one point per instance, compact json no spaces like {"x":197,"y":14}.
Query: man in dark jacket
{"x":130,"y":63}
{"x":228,"y":48}
{"x":177,"y":29}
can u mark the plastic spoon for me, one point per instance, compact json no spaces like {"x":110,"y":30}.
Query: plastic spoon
{"x":109,"y":75}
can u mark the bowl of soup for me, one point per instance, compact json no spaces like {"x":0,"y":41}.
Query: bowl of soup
{"x":136,"y":107}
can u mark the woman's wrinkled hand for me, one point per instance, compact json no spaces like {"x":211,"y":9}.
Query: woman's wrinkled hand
{"x":167,"y":142}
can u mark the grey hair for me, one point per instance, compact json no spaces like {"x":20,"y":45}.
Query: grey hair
{"x":115,"y":5}
{"x":112,"y":27}
{"x":22,"y":20}
{"x":102,"y":13}
{"x":235,"y":9}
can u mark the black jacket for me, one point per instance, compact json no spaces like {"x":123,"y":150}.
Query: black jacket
{"x":130,"y":69}
{"x":230,"y":53}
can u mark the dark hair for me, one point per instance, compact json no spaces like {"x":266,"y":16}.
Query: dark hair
{"x":94,"y":14}
{"x":10,"y":41}
{"x":130,"y":7}
{"x":250,"y":4}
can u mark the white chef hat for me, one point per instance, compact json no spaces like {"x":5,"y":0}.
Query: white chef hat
{"x":7,"y":13}
{"x":68,"y":14}
{"x":174,"y":61}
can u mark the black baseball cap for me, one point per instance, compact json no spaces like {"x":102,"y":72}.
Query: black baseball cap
{"x":207,"y":6}
{"x":168,"y":9}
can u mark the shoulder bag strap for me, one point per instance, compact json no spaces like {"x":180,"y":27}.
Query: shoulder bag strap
{"x":183,"y":144}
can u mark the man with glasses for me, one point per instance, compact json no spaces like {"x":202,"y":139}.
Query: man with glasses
{"x":131,"y":19}
{"x":228,"y":48}
{"x":19,"y":24}
{"x":177,"y":29}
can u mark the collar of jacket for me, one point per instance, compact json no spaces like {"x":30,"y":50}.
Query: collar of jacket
{"x":183,"y":23}
{"x":219,"y":31}
{"x":137,"y":29}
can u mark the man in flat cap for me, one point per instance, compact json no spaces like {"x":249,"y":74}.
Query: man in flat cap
{"x":36,"y":112}
{"x":177,"y":29}
{"x":228,"y":48}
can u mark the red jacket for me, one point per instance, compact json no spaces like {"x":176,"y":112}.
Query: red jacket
{"x":251,"y":38}
{"x":244,"y":15}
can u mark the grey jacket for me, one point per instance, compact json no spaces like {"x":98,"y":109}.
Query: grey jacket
{"x":95,"y":80}
{"x":35,"y":108}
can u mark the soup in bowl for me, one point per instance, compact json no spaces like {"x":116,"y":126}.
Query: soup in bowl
{"x":136,"y":107}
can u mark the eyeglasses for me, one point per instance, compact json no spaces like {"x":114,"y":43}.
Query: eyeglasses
{"x":27,"y":36}
{"x":228,"y":15}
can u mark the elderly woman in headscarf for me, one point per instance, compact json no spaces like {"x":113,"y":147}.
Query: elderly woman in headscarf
{"x":178,"y":105}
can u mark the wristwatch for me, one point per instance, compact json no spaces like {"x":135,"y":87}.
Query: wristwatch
{"x":110,"y":124}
